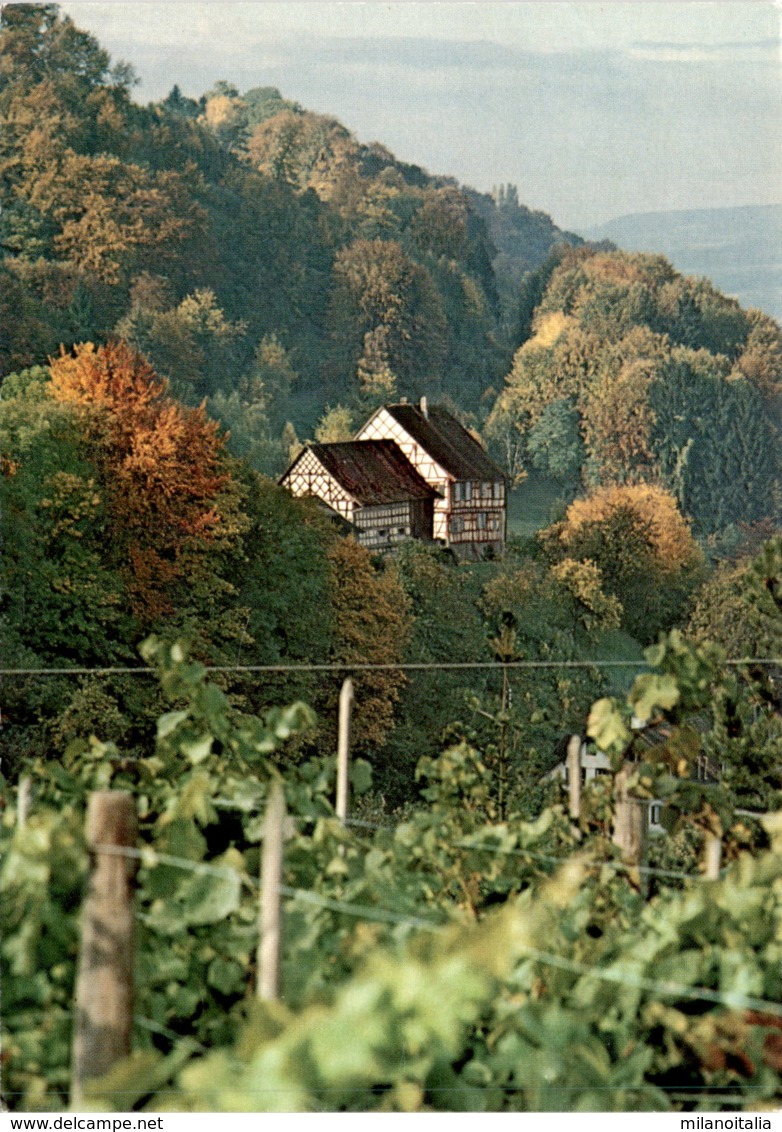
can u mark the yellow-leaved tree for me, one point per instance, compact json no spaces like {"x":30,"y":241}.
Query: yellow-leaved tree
{"x":643,"y":548}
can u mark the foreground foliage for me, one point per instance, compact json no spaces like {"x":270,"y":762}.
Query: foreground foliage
{"x":461,"y":958}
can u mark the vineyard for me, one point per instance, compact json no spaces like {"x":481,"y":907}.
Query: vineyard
{"x":449,"y":779}
{"x":457,"y":958}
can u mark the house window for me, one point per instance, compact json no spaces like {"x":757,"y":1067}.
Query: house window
{"x":468,"y":491}
{"x":486,"y":490}
{"x":481,"y":520}
{"x":458,"y":492}
{"x":402,"y":530}
{"x":499,"y":490}
{"x":655,"y":813}
{"x":457,"y":525}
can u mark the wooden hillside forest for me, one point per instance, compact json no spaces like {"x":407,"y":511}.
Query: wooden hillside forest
{"x":390,"y":629}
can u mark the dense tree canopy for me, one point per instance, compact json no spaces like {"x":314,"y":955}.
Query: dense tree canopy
{"x":239,"y":203}
{"x":636,"y":538}
{"x":634,"y":373}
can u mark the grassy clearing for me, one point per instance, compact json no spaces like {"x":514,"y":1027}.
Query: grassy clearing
{"x":531,"y":506}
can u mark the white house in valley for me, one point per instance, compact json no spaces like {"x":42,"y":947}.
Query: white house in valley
{"x":470,"y":509}
{"x":371,"y":485}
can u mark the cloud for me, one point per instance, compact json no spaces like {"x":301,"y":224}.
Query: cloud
{"x":760,"y":50}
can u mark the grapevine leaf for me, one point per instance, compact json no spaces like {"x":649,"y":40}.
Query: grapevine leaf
{"x":207,"y":899}
{"x":606,"y":726}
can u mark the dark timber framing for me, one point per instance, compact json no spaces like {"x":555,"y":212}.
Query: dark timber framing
{"x":371,"y":485}
{"x":471,"y":514}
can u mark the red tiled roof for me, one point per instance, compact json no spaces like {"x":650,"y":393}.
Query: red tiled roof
{"x":373,"y":471}
{"x":447,"y":441}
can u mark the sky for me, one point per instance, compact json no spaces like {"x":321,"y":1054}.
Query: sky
{"x":593,"y":110}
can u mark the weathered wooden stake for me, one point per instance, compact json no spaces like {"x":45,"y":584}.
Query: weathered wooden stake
{"x":104,"y":981}
{"x":270,"y":912}
{"x":574,"y":776}
{"x":343,"y":748}
{"x":712,"y":857}
{"x":23,"y":799}
{"x":630,"y":821}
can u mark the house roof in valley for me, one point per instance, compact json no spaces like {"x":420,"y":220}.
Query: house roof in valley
{"x":447,"y":441}
{"x":373,"y":471}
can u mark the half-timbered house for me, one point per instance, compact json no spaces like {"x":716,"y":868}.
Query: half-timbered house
{"x":470,"y":514}
{"x":370,"y":484}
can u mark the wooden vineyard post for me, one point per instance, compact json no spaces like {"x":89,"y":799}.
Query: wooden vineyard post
{"x":343,"y":748}
{"x":104,"y":980}
{"x":712,"y":857}
{"x":23,"y":798}
{"x":574,"y":776}
{"x":630,"y":820}
{"x":270,"y":913}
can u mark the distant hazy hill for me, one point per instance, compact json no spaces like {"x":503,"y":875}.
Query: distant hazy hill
{"x":739,"y":249}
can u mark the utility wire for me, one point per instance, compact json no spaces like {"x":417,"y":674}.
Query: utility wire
{"x":361,"y":666}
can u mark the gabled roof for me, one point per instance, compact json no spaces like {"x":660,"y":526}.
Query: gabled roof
{"x":447,"y":441}
{"x":372,"y":471}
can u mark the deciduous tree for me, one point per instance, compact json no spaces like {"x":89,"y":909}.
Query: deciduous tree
{"x":162,"y":469}
{"x":372,"y":625}
{"x":643,"y":548}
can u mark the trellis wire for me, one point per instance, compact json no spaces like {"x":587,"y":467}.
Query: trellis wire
{"x":669,"y":989}
{"x":608,"y":862}
{"x":156,"y":1028}
{"x":369,"y":913}
{"x":151,"y":857}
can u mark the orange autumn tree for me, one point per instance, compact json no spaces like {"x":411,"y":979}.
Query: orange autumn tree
{"x":169,"y":499}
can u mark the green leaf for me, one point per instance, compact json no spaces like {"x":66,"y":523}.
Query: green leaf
{"x":226,"y":975}
{"x":207,"y":899}
{"x":653,"y":690}
{"x":606,"y":726}
{"x":197,"y":749}
{"x":360,"y":776}
{"x":772,"y":823}
{"x":169,"y":722}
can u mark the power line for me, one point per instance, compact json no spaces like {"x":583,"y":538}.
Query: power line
{"x":362,"y":666}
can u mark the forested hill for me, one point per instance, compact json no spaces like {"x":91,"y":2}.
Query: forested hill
{"x":737,"y":248}
{"x":262,"y":258}
{"x":633,"y":373}
{"x":255,"y":252}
